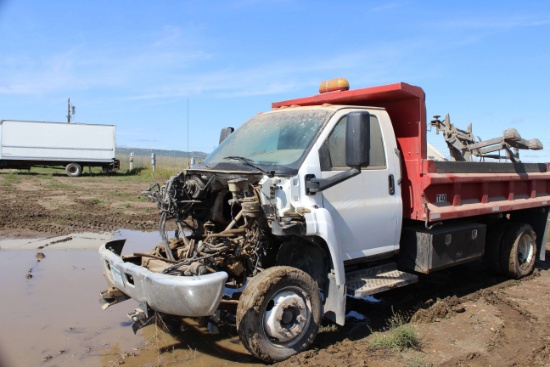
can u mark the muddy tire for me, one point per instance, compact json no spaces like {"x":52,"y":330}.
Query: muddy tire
{"x":493,"y":245}
{"x":279,"y":313}
{"x":519,"y":250}
{"x":73,"y":170}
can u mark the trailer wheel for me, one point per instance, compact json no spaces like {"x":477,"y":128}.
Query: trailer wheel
{"x":519,"y":250}
{"x":493,"y":245}
{"x":73,"y":170}
{"x":279,"y":313}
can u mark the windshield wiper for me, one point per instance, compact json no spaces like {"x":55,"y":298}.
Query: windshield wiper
{"x":250,"y":162}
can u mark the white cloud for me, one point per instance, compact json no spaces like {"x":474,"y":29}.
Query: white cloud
{"x":82,"y":66}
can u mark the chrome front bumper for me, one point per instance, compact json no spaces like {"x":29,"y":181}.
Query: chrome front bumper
{"x":191,"y":296}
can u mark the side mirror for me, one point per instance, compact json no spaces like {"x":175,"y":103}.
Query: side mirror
{"x":225,"y":133}
{"x":357,"y":153}
{"x":358,"y":139}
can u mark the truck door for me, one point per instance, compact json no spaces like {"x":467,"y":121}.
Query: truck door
{"x":366,"y":209}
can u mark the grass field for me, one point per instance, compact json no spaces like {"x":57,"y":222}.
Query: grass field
{"x":167,"y":164}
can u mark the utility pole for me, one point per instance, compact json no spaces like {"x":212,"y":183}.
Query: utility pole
{"x":70,"y":110}
{"x":188,"y":149}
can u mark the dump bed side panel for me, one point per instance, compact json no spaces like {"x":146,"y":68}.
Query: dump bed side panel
{"x":481,"y":188}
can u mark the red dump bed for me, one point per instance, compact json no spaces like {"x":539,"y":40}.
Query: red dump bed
{"x":442,"y":190}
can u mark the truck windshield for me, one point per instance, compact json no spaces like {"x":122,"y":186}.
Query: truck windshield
{"x":274,"y":141}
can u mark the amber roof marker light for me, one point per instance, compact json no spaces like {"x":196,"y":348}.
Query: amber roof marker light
{"x":332,"y":85}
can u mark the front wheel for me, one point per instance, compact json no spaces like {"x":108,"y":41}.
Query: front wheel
{"x":519,"y":250}
{"x":279,"y":313}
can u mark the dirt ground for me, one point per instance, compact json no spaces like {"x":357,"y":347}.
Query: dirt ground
{"x":58,"y":204}
{"x":463,"y":316}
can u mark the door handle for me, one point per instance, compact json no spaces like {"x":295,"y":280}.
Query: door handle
{"x":391,"y":183}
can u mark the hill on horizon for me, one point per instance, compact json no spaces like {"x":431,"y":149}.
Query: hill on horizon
{"x":160,"y":152}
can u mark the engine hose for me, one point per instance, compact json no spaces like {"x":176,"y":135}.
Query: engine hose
{"x":162,"y":231}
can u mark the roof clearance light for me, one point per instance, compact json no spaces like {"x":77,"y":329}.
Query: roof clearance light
{"x":332,"y":85}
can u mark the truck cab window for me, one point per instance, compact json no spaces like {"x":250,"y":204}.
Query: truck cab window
{"x":333,"y":152}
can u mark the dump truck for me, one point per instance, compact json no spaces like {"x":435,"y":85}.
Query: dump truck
{"x":320,"y":199}
{"x":73,"y":146}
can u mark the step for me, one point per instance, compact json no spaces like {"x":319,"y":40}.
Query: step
{"x":365,"y":282}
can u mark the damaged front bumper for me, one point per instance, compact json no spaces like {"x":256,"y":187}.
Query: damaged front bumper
{"x":191,"y":296}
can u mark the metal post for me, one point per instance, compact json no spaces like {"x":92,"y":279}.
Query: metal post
{"x":69,"y":111}
{"x":153,"y":161}
{"x":131,"y":161}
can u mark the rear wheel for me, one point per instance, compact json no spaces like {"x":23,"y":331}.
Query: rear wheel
{"x":279,"y":313}
{"x":519,"y":250}
{"x":73,"y":170}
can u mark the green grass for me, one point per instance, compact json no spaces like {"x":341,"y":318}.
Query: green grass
{"x":95,"y":201}
{"x":330,"y":328}
{"x":166,"y":167}
{"x":122,"y":196}
{"x":59,"y":185}
{"x":159,"y":172}
{"x":399,"y":335}
{"x":10,"y":179}
{"x":417,"y":361}
{"x":399,"y":339}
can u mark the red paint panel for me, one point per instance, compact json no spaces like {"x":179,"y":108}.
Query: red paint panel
{"x":476,"y":193}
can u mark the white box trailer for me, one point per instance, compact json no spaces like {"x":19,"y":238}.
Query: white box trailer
{"x":24,"y":144}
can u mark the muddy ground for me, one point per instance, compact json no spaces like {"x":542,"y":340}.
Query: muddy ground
{"x":57,"y":204}
{"x":463,"y":316}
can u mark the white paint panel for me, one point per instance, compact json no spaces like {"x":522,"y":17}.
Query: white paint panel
{"x":29,"y":140}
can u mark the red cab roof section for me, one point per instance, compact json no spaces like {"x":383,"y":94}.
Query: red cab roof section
{"x":404,"y":103}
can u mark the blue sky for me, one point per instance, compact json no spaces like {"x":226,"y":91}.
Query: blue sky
{"x":158,"y":69}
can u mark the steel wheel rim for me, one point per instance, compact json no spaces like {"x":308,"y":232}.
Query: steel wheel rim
{"x":525,"y":252}
{"x":287,"y":316}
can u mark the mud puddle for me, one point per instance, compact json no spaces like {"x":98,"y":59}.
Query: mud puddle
{"x":50,"y":315}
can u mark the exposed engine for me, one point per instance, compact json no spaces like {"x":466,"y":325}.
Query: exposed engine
{"x":217,"y":222}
